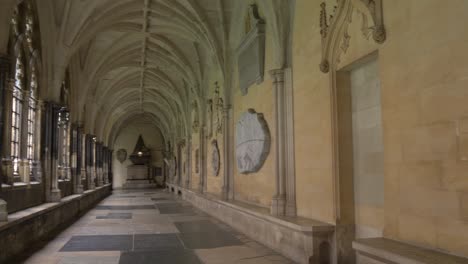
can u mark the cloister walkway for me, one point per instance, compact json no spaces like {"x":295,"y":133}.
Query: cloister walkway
{"x":151,"y":226}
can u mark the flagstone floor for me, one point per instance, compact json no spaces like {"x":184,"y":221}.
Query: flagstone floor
{"x":151,"y":226}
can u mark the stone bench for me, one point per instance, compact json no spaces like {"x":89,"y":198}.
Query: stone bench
{"x":386,"y":251}
{"x":300,"y":239}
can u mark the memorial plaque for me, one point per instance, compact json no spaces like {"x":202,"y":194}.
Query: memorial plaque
{"x":251,"y":52}
{"x":252,"y":142}
{"x":215,"y":163}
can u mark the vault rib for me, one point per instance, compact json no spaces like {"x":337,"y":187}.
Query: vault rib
{"x":144,"y":45}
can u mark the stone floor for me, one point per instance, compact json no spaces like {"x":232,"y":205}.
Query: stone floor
{"x":149,"y":226}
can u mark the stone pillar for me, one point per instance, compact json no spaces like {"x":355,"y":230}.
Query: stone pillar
{"x":110,"y":166}
{"x":284,"y":201}
{"x":104,"y":164}
{"x":55,"y":194}
{"x":227,"y":192}
{"x":188,"y":174}
{"x":201,"y":183}
{"x":7,"y":163}
{"x":82,"y":156}
{"x":4,"y":80}
{"x":89,"y":162}
{"x":24,"y":166}
{"x":98,"y":163}
{"x":37,"y":165}
{"x":75,"y":160}
{"x":50,"y":150}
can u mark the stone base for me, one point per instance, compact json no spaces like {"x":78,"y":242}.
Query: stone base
{"x":3,"y":211}
{"x":303,"y":240}
{"x":55,"y":196}
{"x":79,"y":189}
{"x":139,"y":184}
{"x":278,"y":206}
{"x":386,"y":251}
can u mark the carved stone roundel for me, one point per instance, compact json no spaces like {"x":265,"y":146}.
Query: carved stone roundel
{"x":252,"y":142}
{"x":121,"y":155}
{"x":215,"y":160}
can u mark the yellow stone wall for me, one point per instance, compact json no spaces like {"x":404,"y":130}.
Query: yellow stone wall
{"x":424,"y":82}
{"x":127,"y":140}
{"x":257,"y":188}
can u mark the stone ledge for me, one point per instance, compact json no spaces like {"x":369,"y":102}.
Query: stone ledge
{"x":26,"y":227}
{"x":386,"y":251}
{"x":297,"y":238}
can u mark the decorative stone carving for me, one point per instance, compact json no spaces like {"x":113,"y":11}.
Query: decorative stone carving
{"x":121,"y":155}
{"x":195,"y":117}
{"x":252,"y":142}
{"x":334,"y":29}
{"x":209,"y":127}
{"x":171,"y":162}
{"x":251,"y":52}
{"x":215,"y":159}
{"x":218,"y":108}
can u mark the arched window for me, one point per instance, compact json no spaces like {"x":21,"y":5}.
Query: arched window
{"x":24,"y":50}
{"x":16,"y":112}
{"x":32,"y":123}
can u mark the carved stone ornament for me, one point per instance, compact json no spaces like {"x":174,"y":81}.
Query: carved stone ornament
{"x":215,"y":159}
{"x":334,"y":28}
{"x":195,"y":118}
{"x":209,"y":128}
{"x":252,"y":142}
{"x":121,"y":155}
{"x":251,"y":51}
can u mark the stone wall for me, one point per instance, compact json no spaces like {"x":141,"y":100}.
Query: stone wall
{"x":21,"y":233}
{"x":23,"y":197}
{"x":422,"y":68}
{"x":127,"y":140}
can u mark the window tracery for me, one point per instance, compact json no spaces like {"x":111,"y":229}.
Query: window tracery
{"x":24,"y":90}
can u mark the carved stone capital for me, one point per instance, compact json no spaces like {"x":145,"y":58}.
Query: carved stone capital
{"x":334,"y":28}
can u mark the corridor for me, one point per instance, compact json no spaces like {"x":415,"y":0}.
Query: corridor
{"x":149,"y":226}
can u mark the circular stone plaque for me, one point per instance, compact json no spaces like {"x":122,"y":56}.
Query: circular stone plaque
{"x":252,"y":142}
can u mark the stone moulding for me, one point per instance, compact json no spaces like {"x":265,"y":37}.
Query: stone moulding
{"x":252,"y":142}
{"x":334,"y":29}
{"x":251,"y":52}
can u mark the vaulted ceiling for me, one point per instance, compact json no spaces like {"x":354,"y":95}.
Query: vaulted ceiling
{"x":146,"y":59}
{"x":140,"y":57}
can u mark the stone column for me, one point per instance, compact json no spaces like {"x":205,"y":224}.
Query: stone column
{"x":7,"y":163}
{"x":75,"y":160}
{"x":55,"y":194}
{"x":24,"y":167}
{"x":83,"y":156}
{"x":201,"y":183}
{"x":110,"y":166}
{"x":4,"y":80}
{"x":89,"y":162}
{"x":188,"y":175}
{"x":227,"y":193}
{"x":106,"y":165}
{"x":37,"y":165}
{"x":50,"y":150}
{"x":284,"y":201}
{"x":98,"y":163}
